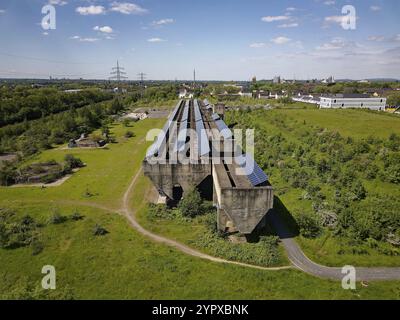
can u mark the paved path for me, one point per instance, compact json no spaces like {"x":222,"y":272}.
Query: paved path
{"x":302,"y":262}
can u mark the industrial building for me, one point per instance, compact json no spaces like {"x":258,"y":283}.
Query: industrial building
{"x":197,"y":149}
{"x":347,"y":101}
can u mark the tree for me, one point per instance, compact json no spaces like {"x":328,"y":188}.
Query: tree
{"x":190,"y":205}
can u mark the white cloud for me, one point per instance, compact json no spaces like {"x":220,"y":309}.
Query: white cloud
{"x":335,"y":19}
{"x":329,"y":2}
{"x":163,"y":22}
{"x":58,"y":2}
{"x":79,"y":38}
{"x":375,"y":8}
{"x":289,"y":25}
{"x":91,"y":10}
{"x":127,"y":8}
{"x":258,"y":45}
{"x":281,"y":40}
{"x":274,"y":18}
{"x":2,"y":11}
{"x":339,"y":44}
{"x":376,"y":38}
{"x":105,"y":29}
{"x":45,"y":33}
{"x":291,"y":9}
{"x":156,"y":40}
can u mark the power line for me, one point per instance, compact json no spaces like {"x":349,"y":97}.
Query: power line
{"x":118,"y":73}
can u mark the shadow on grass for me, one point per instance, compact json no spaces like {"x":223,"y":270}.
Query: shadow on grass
{"x":278,"y":222}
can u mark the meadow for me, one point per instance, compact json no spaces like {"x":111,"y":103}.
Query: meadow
{"x":123,"y":264}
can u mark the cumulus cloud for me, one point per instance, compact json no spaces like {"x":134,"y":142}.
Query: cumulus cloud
{"x":127,"y":8}
{"x":90,"y":10}
{"x":375,"y":8}
{"x":105,"y":29}
{"x":281,"y":40}
{"x":274,"y":18}
{"x":156,"y":40}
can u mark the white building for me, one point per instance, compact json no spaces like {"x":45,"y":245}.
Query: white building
{"x":347,"y":101}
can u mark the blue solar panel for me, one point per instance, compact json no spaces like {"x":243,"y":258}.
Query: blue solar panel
{"x":161,"y":139}
{"x":203,"y":143}
{"x":253,"y":171}
{"x":185,"y":115}
{"x":215,"y":116}
{"x":223,"y":129}
{"x":197,"y":112}
{"x":183,"y":132}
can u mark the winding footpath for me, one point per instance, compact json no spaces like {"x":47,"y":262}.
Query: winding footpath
{"x":296,"y":256}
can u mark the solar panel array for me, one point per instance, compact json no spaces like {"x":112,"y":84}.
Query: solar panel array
{"x":203,"y":143}
{"x":253,"y":171}
{"x":197,"y":112}
{"x":224,"y":130}
{"x":215,"y":116}
{"x":161,"y":139}
{"x":185,"y":115}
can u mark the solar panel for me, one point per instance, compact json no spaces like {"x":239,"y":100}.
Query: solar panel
{"x":253,"y":171}
{"x":215,"y":116}
{"x":203,"y":143}
{"x":161,"y":139}
{"x":185,"y":115}
{"x":223,"y":129}
{"x":206,"y":103}
{"x":197,"y":112}
{"x":183,"y":132}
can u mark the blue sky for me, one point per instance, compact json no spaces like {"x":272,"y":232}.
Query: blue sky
{"x":222,"y":39}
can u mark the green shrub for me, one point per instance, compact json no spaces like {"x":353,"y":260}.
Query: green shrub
{"x":57,"y":218}
{"x":190,"y":205}
{"x":99,"y":230}
{"x":309,"y":225}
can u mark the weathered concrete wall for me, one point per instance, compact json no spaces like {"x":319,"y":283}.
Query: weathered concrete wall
{"x":247,"y":207}
{"x":166,"y":176}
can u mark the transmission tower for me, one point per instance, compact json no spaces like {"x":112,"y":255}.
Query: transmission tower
{"x":118,"y":73}
{"x":141,"y":77}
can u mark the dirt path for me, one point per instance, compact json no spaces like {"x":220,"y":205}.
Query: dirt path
{"x":130,"y":215}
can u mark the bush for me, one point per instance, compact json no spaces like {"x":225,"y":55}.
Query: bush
{"x":309,"y":225}
{"x":76,"y":216}
{"x":99,"y":231}
{"x":190,"y":205}
{"x":37,"y":247}
{"x":73,"y":162}
{"x":129,"y":134}
{"x":57,"y":218}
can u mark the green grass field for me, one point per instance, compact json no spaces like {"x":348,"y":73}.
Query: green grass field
{"x":357,"y":124}
{"x":123,"y":264}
